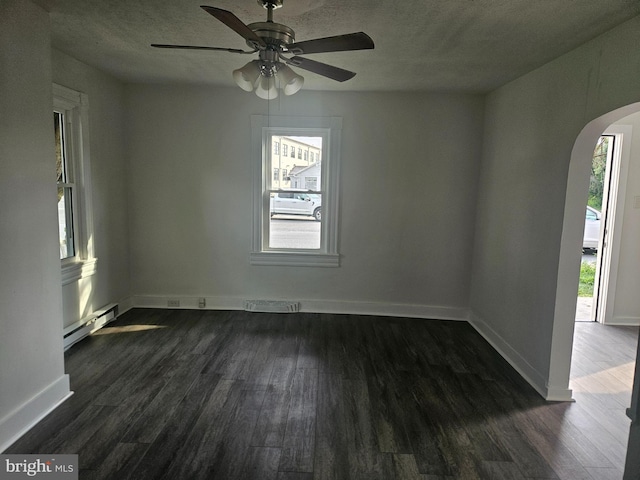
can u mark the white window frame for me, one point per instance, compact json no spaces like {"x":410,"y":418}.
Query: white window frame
{"x":330,"y":129}
{"x":75,"y":108}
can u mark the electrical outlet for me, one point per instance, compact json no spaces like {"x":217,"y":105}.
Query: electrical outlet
{"x":173,"y":303}
{"x":202,"y":302}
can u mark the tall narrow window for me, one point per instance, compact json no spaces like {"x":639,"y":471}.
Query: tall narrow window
{"x":75,"y":226}
{"x":66,"y":187}
{"x":296,"y":226}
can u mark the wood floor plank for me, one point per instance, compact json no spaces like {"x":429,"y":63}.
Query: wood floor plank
{"x":165,"y":451}
{"x":331,"y":461}
{"x":294,"y":476}
{"x":203,"y":447}
{"x":152,"y":420}
{"x":272,"y":422}
{"x":96,"y":449}
{"x":232,"y":456}
{"x":121,"y":460}
{"x":298,"y":444}
{"x":261,"y":463}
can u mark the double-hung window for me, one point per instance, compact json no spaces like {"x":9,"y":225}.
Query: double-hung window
{"x":296,"y":225}
{"x":75,"y":226}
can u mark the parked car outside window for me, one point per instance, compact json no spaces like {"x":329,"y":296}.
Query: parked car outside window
{"x":591,"y":229}
{"x":297,"y":203}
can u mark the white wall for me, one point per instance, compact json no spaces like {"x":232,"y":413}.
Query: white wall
{"x":32,"y":379}
{"x":109,"y":178}
{"x":626,"y":304}
{"x":408,"y":188}
{"x":526,"y":255}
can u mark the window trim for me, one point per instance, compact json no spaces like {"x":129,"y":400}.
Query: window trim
{"x":330,"y":128}
{"x":75,"y":107}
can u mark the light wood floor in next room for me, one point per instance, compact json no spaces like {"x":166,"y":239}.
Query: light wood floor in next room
{"x":184,"y":395}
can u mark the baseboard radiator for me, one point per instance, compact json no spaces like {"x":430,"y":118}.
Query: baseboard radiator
{"x":89,"y":324}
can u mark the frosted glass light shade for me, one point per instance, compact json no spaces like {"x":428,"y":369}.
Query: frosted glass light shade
{"x":247,"y":76}
{"x":266,"y":88}
{"x":291,"y":81}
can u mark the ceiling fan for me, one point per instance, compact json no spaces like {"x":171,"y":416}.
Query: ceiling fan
{"x":274,"y":42}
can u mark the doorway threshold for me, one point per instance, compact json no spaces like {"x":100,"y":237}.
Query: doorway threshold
{"x":584,"y":307}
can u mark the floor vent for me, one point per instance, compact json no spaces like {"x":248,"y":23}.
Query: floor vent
{"x":275,"y":306}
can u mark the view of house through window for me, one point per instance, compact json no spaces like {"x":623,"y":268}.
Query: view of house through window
{"x":295,"y":193}
{"x":65,"y":189}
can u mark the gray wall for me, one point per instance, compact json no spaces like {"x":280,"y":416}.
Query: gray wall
{"x":408,"y":186}
{"x":32,"y":377}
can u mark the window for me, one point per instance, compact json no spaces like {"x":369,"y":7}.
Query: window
{"x":306,"y":156}
{"x":66,"y":189}
{"x":276,"y":148}
{"x":276,"y":174}
{"x":75,"y":225}
{"x":296,"y":227}
{"x":300,"y":154}
{"x":284,"y":174}
{"x":293,"y":152}
{"x":284,"y":149}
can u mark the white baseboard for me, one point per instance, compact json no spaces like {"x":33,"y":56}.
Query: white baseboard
{"x":386,"y":309}
{"x":625,"y":321}
{"x":124,"y":305}
{"x":537,"y":380}
{"x":188,"y":302}
{"x":22,"y":419}
{"x":310,"y":306}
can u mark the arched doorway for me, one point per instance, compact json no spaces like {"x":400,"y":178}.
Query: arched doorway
{"x":569,"y":258}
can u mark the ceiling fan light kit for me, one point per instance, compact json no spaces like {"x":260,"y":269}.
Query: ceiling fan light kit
{"x":247,"y":76}
{"x":273,"y":42}
{"x":266,"y":88}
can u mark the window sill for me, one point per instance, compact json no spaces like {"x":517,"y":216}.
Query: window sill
{"x":74,"y":271}
{"x":295,"y":259}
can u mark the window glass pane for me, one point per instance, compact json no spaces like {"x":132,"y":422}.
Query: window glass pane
{"x":65,"y":203}
{"x":65,"y":223}
{"x":295,"y":221}
{"x":58,"y":122}
{"x":295,"y":214}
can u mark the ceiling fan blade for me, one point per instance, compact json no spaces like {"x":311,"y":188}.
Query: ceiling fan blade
{"x":323,"y":69}
{"x":195,"y":47}
{"x":235,"y":24}
{"x":339,"y":43}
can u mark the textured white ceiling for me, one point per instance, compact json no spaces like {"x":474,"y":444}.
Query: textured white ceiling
{"x":436,"y":45}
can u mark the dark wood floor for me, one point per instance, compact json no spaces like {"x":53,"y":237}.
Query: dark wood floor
{"x":233,"y":395}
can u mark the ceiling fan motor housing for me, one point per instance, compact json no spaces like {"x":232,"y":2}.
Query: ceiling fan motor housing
{"x":274,"y":34}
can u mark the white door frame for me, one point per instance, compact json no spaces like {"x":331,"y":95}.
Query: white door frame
{"x":612,"y":213}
